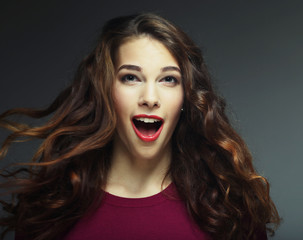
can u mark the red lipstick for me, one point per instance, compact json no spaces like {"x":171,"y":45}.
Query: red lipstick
{"x":147,"y":127}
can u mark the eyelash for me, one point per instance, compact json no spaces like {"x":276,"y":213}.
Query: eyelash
{"x":125,"y":78}
{"x":169,"y":78}
{"x":132,"y":78}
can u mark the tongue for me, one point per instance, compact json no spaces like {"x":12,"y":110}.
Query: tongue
{"x":147,"y":129}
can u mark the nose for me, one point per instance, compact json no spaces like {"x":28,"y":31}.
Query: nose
{"x":149,"y":96}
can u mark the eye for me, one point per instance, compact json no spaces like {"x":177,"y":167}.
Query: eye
{"x":170,"y":80}
{"x":129,"y":78}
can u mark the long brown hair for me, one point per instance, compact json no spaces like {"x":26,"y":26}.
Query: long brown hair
{"x":211,"y":165}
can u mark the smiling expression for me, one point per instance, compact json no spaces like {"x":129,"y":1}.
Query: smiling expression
{"x":148,"y":97}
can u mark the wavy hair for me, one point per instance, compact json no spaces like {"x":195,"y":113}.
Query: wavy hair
{"x":211,"y":165}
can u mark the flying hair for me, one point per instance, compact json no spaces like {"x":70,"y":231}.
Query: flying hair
{"x":211,"y":165}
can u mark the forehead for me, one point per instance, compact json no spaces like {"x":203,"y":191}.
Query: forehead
{"x":143,"y":50}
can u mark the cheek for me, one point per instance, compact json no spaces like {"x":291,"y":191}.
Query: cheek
{"x":174,"y":107}
{"x":120,"y":106}
{"x":119,"y":101}
{"x":123,"y":103}
{"x":177,"y":104}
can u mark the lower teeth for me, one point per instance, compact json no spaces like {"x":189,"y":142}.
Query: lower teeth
{"x":147,"y":129}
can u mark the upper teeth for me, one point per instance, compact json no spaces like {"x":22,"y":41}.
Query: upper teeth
{"x":147,"y":120}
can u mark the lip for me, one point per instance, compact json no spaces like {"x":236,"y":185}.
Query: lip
{"x":144,"y":137}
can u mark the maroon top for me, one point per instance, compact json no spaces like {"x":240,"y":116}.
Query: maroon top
{"x":161,"y":216}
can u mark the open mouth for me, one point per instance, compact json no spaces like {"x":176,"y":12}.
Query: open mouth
{"x":147,"y":128}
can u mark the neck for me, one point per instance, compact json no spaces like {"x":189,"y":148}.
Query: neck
{"x":133,"y":176}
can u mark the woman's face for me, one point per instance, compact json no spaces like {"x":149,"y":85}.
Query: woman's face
{"x":148,"y":97}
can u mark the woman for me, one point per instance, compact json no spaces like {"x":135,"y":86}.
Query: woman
{"x":138,"y":146}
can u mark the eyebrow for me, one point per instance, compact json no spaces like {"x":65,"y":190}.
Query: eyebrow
{"x":130,"y":67}
{"x":170,"y":68}
{"x":139,"y":69}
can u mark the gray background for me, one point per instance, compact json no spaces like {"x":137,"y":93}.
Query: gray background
{"x":253,"y":49}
